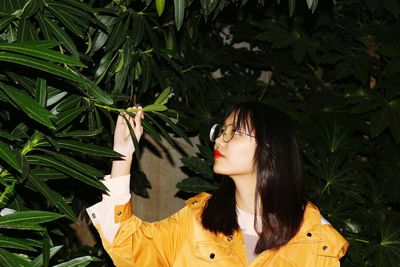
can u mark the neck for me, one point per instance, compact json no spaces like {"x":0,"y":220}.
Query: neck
{"x":245,"y":193}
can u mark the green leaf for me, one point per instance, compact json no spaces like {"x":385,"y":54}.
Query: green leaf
{"x":124,"y":61}
{"x":9,"y":156}
{"x":35,"y":50}
{"x":165,"y":134}
{"x":25,"y":168}
{"x":393,"y":66}
{"x":33,"y":216}
{"x":133,"y":136}
{"x":26,"y":31}
{"x":118,"y":33}
{"x":343,"y":69}
{"x":138,"y":23}
{"x":48,"y":174}
{"x":198,"y":166}
{"x":389,"y":50}
{"x":4,"y":22}
{"x":65,"y":117}
{"x":392,"y":6}
{"x":310,"y":3}
{"x":81,"y":5}
{"x":17,"y":243}
{"x":163,"y":97}
{"x":79,"y":133}
{"x":174,"y":127}
{"x":38,"y":261}
{"x":104,"y":65}
{"x":41,"y":91}
{"x":88,"y":149}
{"x":96,"y":92}
{"x":79,"y":166}
{"x":299,"y":50}
{"x":28,"y":105}
{"x":52,"y":196}
{"x":72,"y":101}
{"x":146,"y":73}
{"x":148,"y":128}
{"x":5,"y":135}
{"x":43,"y":160}
{"x":394,"y":119}
{"x":140,"y":184}
{"x":78,"y":262}
{"x":44,"y":27}
{"x":280,"y":38}
{"x":380,"y":121}
{"x":180,"y":6}
{"x":38,"y":64}
{"x":360,"y":69}
{"x":11,"y":259}
{"x":46,"y":248}
{"x":160,"y":5}
{"x":155,"y":107}
{"x":87,"y":16}
{"x":67,"y":20}
{"x":60,"y":35}
{"x":32,"y":7}
{"x":292,"y":6}
{"x":314,"y":6}
{"x":196,"y":185}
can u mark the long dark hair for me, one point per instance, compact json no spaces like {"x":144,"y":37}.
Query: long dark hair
{"x":280,"y":185}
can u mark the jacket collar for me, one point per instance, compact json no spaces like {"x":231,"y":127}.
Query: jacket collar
{"x":310,"y":228}
{"x":309,"y":232}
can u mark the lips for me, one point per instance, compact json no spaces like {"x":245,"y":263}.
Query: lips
{"x":217,"y":154}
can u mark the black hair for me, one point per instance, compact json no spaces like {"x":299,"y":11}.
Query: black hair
{"x":279,"y":187}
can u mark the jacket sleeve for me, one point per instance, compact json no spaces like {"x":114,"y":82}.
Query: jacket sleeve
{"x":132,"y":242}
{"x":334,"y":246}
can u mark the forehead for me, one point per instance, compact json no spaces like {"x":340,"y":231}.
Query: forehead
{"x":240,"y":121}
{"x":230,"y":119}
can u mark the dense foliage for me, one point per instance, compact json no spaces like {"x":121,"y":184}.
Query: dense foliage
{"x":68,"y":67}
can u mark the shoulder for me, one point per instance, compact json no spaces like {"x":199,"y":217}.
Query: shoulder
{"x":198,"y":200}
{"x":197,"y":203}
{"x":332,"y":242}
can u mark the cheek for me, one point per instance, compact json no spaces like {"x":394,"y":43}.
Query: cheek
{"x":239,"y":159}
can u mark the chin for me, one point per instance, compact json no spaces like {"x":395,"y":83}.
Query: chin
{"x":219,"y":170}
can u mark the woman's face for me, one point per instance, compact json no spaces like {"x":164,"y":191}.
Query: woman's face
{"x":235,"y":158}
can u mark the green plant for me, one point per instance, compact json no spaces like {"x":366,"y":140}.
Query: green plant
{"x":336,"y":73}
{"x":67,"y":67}
{"x":54,"y":114}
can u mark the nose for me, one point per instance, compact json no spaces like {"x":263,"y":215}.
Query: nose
{"x":219,"y":142}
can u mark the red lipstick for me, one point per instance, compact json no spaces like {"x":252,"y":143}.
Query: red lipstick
{"x":217,"y":154}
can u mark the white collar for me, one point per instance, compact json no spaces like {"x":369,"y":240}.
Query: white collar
{"x":246,"y":222}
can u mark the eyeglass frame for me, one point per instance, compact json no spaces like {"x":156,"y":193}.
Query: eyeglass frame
{"x":222,"y":132}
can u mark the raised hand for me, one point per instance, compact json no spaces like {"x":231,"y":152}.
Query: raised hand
{"x":123,"y":141}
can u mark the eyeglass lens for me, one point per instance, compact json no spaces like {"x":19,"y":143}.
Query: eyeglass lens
{"x":227,"y":133}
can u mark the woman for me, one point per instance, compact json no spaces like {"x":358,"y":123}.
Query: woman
{"x":258,"y":217}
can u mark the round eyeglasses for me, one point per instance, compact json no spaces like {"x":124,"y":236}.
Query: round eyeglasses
{"x":227,"y":132}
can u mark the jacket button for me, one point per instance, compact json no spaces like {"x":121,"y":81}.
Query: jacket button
{"x":119,"y":213}
{"x":212,"y":256}
{"x":93,"y":215}
{"x":194,"y":202}
{"x":309,"y":234}
{"x":325,"y":247}
{"x":230,"y":238}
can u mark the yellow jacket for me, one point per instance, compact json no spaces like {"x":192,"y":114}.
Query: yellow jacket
{"x":180,"y":240}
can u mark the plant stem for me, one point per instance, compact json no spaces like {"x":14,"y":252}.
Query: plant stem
{"x":119,"y":110}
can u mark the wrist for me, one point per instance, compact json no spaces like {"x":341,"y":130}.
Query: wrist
{"x":121,"y":167}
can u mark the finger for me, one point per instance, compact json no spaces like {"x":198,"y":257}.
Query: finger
{"x":140,"y":112}
{"x":120,"y":119}
{"x":138,"y":118}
